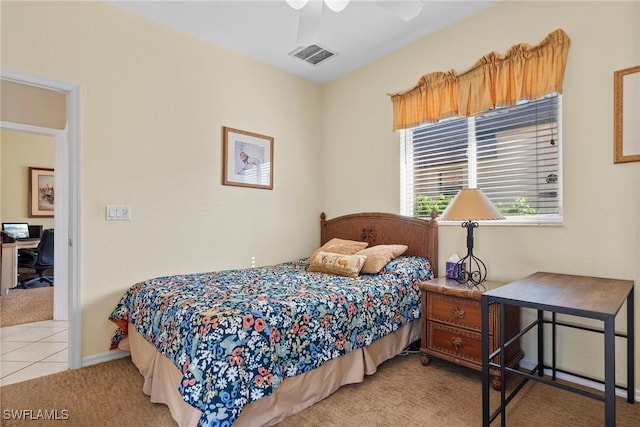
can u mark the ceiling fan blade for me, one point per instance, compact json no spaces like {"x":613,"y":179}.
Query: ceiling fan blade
{"x":296,"y":4}
{"x":337,"y":5}
{"x":405,"y":9}
{"x":309,"y":23}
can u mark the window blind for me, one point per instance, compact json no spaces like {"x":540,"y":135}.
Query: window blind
{"x":512,"y":154}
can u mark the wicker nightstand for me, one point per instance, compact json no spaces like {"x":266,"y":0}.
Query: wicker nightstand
{"x":451,"y":325}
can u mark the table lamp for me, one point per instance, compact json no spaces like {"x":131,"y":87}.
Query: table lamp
{"x":470,"y":205}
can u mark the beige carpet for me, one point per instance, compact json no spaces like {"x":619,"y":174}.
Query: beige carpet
{"x":402,"y":393}
{"x":26,"y":306}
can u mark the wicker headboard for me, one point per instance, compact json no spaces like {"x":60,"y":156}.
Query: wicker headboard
{"x":379,"y":228}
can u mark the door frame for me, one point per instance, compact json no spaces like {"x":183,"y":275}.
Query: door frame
{"x":67,"y":213}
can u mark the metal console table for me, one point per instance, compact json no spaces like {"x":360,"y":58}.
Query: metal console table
{"x":589,"y":297}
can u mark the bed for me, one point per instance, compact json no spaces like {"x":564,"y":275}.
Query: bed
{"x":254,"y":346}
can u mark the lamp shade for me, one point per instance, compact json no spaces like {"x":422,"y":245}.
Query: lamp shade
{"x":470,"y":204}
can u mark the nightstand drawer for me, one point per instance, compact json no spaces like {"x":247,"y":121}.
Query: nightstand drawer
{"x":454,"y":311}
{"x":455,"y":343}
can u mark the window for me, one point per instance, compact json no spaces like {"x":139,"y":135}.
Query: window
{"x":512,"y":154}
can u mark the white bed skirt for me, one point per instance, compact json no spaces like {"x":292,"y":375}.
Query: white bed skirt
{"x":162,"y":377}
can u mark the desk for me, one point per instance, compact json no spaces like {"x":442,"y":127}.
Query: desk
{"x":10,"y":262}
{"x":589,"y":297}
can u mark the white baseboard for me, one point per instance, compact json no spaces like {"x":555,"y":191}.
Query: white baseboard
{"x":529,"y":365}
{"x":104,"y":357}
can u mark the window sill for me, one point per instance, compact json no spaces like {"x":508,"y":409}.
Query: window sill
{"x":547,"y":220}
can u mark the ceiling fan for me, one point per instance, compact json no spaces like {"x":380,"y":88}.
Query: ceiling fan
{"x":311,"y":12}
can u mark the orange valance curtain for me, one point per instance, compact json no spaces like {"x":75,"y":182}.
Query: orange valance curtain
{"x":525,"y":72}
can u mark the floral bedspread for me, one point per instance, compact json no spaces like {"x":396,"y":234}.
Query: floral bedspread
{"x":236,"y":334}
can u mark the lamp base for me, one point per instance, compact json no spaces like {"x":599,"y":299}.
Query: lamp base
{"x":472,"y":272}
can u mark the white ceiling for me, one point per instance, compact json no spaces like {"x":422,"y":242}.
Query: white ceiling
{"x":267,"y":30}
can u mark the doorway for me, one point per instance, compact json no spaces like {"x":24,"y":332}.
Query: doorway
{"x":67,"y":203}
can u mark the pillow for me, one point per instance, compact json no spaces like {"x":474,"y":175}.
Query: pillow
{"x":378,"y":256}
{"x":339,"y":246}
{"x":338,"y":264}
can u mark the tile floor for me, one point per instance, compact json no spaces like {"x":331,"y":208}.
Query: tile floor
{"x":33,"y":350}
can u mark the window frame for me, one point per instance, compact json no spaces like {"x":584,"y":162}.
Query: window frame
{"x":407,"y":198}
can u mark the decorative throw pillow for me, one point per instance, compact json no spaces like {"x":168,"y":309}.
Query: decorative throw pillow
{"x":338,"y":264}
{"x":378,"y":256}
{"x":339,"y":246}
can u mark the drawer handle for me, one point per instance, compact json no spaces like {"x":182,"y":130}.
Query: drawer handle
{"x":457,"y":343}
{"x":457,"y":311}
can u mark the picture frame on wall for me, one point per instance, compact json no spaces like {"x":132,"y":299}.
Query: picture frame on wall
{"x":247,"y":159}
{"x":626,"y":89}
{"x":41,"y":192}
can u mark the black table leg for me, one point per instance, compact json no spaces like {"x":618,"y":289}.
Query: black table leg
{"x":609,"y":372}
{"x":553,"y":346}
{"x":630,"y":349}
{"x":503,"y":361}
{"x":485,"y":360}
{"x":540,"y":343}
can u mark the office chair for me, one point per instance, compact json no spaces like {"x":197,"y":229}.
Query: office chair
{"x":39,"y":259}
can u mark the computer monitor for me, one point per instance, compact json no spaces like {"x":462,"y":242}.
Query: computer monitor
{"x":17,"y":230}
{"x":35,"y":231}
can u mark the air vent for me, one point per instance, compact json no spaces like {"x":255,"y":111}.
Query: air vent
{"x":313,"y":54}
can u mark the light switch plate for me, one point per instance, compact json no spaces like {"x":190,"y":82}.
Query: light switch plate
{"x":118,"y":212}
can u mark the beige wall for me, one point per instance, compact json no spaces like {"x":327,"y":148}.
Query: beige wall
{"x":153,"y":102}
{"x":21,"y":150}
{"x":601,"y":231}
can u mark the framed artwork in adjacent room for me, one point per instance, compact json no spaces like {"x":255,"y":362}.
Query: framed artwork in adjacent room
{"x":247,"y":159}
{"x":626,"y":90}
{"x":41,"y":192}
